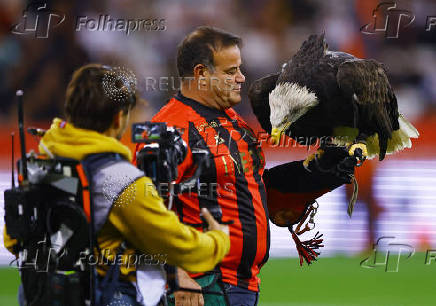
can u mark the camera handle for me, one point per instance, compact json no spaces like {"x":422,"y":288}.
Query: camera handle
{"x":202,"y":158}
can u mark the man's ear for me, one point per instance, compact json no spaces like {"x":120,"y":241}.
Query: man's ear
{"x":117,"y":120}
{"x":201,"y":74}
{"x":200,"y":71}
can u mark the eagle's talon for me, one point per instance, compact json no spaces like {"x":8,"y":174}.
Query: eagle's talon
{"x":359,"y":151}
{"x":307,"y":161}
{"x":315,"y":156}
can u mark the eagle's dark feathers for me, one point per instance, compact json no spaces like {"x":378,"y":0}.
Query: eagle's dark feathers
{"x":350,"y":92}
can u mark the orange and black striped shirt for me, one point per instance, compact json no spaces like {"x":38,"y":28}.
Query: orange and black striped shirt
{"x":233,"y":182}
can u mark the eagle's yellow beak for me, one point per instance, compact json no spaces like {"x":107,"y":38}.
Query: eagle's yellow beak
{"x":276,"y":133}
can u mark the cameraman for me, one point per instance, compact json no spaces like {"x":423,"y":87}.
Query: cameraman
{"x":129,"y":214}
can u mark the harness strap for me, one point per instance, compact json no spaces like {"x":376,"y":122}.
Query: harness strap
{"x":86,"y":196}
{"x":110,"y":283}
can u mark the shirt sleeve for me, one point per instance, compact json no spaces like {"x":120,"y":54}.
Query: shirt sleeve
{"x":151,"y":228}
{"x":8,"y":241}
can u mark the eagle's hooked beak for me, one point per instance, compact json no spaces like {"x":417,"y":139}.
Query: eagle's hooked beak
{"x":276,"y":133}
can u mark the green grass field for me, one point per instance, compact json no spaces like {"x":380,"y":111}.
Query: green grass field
{"x":342,"y":281}
{"x":330,"y":281}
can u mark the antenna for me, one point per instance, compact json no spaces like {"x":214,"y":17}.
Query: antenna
{"x":19,"y":95}
{"x":13,"y":161}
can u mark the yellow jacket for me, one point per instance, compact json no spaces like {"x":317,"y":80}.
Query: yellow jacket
{"x":146,"y":224}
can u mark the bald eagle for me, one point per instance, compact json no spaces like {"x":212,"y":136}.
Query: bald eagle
{"x":322,"y":93}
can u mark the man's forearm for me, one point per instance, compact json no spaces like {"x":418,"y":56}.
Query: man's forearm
{"x":294,"y":178}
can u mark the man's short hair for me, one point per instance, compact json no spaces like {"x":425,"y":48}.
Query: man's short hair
{"x":199,"y":46}
{"x":87,"y":105}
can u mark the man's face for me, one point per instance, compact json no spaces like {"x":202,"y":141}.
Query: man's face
{"x":224,"y":82}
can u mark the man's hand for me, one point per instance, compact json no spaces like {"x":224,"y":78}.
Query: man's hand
{"x":185,"y":298}
{"x":213,"y":224}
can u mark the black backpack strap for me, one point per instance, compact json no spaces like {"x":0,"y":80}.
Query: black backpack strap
{"x":89,"y":165}
{"x":110,"y":282}
{"x":93,"y":162}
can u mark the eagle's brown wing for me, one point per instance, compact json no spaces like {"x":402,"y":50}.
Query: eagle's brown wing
{"x":365,"y":83}
{"x":259,"y":99}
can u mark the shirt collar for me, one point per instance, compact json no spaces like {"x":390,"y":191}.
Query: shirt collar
{"x":209,"y":111}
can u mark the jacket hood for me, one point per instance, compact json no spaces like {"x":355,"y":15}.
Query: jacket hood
{"x":63,"y":139}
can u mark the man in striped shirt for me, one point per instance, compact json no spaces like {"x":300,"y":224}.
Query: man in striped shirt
{"x":235,"y":185}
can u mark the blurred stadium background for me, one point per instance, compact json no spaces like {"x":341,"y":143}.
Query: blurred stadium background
{"x":397,"y":196}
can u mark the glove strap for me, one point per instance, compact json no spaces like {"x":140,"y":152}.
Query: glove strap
{"x":306,"y":249}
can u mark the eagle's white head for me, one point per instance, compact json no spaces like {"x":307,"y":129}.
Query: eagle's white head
{"x":288,"y":102}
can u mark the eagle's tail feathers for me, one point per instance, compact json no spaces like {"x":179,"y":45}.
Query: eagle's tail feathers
{"x":399,"y":140}
{"x":407,"y":127}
